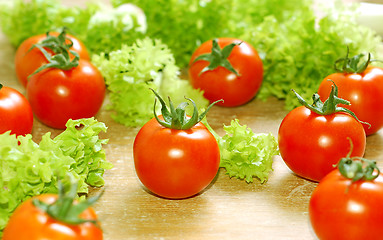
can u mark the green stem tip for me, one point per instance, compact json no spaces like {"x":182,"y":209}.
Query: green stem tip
{"x":353,"y":64}
{"x":64,"y":209}
{"x":330,"y":106}
{"x":60,"y":46}
{"x":176,"y":118}
{"x":218,"y":57}
{"x":357,"y":168}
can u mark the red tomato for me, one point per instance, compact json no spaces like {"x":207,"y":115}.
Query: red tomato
{"x":30,"y":223}
{"x":15,"y":112}
{"x":221,"y":83}
{"x":310,"y":143}
{"x":59,"y":95}
{"x":27,"y":61}
{"x":175,"y":163}
{"x":364,"y":91}
{"x":341,"y":209}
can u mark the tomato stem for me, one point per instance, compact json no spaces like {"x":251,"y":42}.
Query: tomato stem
{"x":357,"y":168}
{"x":64,"y":209}
{"x":218,"y":57}
{"x":351,"y":65}
{"x":330,"y":106}
{"x":61,"y":49}
{"x":176,"y":118}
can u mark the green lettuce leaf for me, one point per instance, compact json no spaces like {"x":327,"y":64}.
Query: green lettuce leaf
{"x":299,"y":53}
{"x":29,"y":169}
{"x":131,"y":71}
{"x":29,"y":19}
{"x":183,"y":25}
{"x":101,"y":27}
{"x":245,"y":154}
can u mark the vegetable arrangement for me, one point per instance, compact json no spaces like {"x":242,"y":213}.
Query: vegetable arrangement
{"x":30,"y":169}
{"x":288,"y":45}
{"x":271,"y":27}
{"x":176,"y":155}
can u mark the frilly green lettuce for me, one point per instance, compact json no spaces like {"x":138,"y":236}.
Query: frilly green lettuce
{"x":245,"y":154}
{"x":300,"y":52}
{"x":29,"y":169}
{"x":131,"y":71}
{"x":101,"y":27}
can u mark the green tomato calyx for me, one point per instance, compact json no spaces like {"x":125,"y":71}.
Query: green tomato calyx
{"x":64,"y":209}
{"x":218,"y":57}
{"x":330,"y":106}
{"x":353,"y":64}
{"x":357,"y":168}
{"x":61,"y":49}
{"x":176,"y":118}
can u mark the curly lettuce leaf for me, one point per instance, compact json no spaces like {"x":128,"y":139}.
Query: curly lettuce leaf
{"x":101,"y":27}
{"x":80,"y":141}
{"x":29,"y":19}
{"x":245,"y":154}
{"x":109,"y":28}
{"x":131,"y":71}
{"x":30,"y":169}
{"x":183,"y":25}
{"x":299,"y":53}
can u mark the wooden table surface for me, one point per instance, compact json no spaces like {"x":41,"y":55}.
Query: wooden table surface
{"x":228,"y":209}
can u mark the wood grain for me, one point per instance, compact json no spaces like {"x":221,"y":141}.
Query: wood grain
{"x":228,"y":209}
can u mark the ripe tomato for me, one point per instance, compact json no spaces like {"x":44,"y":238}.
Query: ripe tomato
{"x":27,"y":61}
{"x":310,"y":144}
{"x":175,"y":163}
{"x":15,"y":112}
{"x":31,"y":223}
{"x":220,"y":82}
{"x":364,"y":91}
{"x":58,"y":95}
{"x":342,"y":209}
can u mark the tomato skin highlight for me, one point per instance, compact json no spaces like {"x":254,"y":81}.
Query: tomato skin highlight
{"x":364,"y":91}
{"x":15,"y":112}
{"x":175,"y":163}
{"x":342,"y":210}
{"x":220,"y":83}
{"x":31,"y":223}
{"x":27,"y":61}
{"x":59,"y":95}
{"x":310,"y":144}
